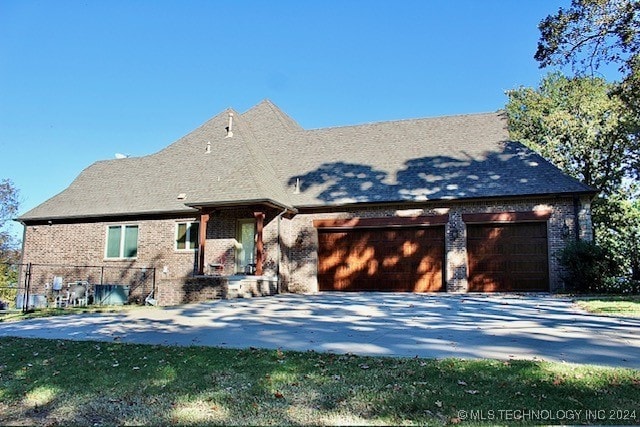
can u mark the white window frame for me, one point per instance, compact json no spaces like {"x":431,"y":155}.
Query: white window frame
{"x":187,"y":234}
{"x":122,"y":240}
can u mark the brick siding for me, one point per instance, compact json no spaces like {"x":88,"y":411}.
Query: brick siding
{"x":301,"y":242}
{"x":82,"y":244}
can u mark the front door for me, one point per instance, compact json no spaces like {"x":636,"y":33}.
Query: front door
{"x":245,"y":255}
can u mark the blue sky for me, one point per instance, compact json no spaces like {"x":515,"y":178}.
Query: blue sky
{"x":82,"y":80}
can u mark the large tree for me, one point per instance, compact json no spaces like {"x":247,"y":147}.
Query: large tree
{"x":580,"y":126}
{"x":9,"y":204}
{"x":588,"y":36}
{"x":9,"y":253}
{"x":621,"y":232}
{"x":592,"y":33}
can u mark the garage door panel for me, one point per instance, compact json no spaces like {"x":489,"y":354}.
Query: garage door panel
{"x":485,"y":283}
{"x":530,"y":231}
{"x":428,"y":264}
{"x":526,"y":285}
{"x":525,"y":265}
{"x":407,"y":259}
{"x":508,"y":257}
{"x":490,"y":263}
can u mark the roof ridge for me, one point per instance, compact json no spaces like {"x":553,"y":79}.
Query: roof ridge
{"x":415,"y":119}
{"x":259,"y":157}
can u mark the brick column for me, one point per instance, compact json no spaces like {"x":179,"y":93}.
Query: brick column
{"x":204,"y":220}
{"x":259,"y":216}
{"x":456,"y":257}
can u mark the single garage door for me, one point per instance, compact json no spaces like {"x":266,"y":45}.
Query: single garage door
{"x":508,"y":257}
{"x":398,"y":260}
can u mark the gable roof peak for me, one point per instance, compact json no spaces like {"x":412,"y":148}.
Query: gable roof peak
{"x":267,"y":101}
{"x":227,"y":111}
{"x":266,"y":110}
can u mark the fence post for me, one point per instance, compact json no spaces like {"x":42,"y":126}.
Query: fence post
{"x":27,"y":286}
{"x":153,"y":284}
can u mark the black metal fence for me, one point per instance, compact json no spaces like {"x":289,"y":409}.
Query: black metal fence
{"x":33,"y":286}
{"x":10,"y":285}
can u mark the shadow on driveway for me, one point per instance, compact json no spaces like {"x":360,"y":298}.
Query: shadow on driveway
{"x":387,"y":324}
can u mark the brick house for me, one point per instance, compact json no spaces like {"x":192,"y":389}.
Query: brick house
{"x":421,"y":205}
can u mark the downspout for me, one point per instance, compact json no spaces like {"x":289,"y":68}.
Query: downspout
{"x":278,"y":251}
{"x":24,"y":238}
{"x":21,"y":262}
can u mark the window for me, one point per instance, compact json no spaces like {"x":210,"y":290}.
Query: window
{"x":187,"y":235}
{"x":122,"y":241}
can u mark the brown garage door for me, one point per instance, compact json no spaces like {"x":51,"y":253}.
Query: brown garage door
{"x":508,"y":257}
{"x":398,"y":260}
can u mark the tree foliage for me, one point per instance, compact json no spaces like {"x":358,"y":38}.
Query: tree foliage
{"x":621,"y":232}
{"x":591,"y":33}
{"x":9,"y":204}
{"x":587,"y":266}
{"x":581,"y":124}
{"x":586,"y":36}
{"x":578,"y":124}
{"x":9,"y":254}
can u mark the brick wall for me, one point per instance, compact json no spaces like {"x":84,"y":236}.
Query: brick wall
{"x":301,"y":241}
{"x":84,"y":244}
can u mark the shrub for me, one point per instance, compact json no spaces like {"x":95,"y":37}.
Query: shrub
{"x":620,"y":286}
{"x":589,"y":268}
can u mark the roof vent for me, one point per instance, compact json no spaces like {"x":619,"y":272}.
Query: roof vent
{"x":208,"y":149}
{"x":296,"y":190}
{"x":182,"y":196}
{"x":230,"y":126}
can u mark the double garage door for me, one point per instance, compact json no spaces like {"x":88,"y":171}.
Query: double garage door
{"x":501,"y":258}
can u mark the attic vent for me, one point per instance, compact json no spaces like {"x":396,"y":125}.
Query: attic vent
{"x":182,"y":196}
{"x":230,"y":127}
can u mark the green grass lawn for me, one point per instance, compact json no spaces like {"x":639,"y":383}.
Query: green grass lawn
{"x":612,"y":305}
{"x":48,"y":382}
{"x":16,"y":315}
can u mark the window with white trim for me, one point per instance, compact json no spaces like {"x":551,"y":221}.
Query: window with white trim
{"x":122,"y":241}
{"x":187,"y":235}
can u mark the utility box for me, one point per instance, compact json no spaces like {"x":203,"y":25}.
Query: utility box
{"x":111,"y":294}
{"x":34,"y":301}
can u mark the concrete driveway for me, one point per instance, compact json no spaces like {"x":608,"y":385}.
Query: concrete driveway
{"x":387,"y":324}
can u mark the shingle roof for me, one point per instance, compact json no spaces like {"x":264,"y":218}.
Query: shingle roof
{"x":270,"y":157}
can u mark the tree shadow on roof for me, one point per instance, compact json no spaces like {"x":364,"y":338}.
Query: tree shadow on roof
{"x":514,"y":170}
{"x":341,"y":180}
